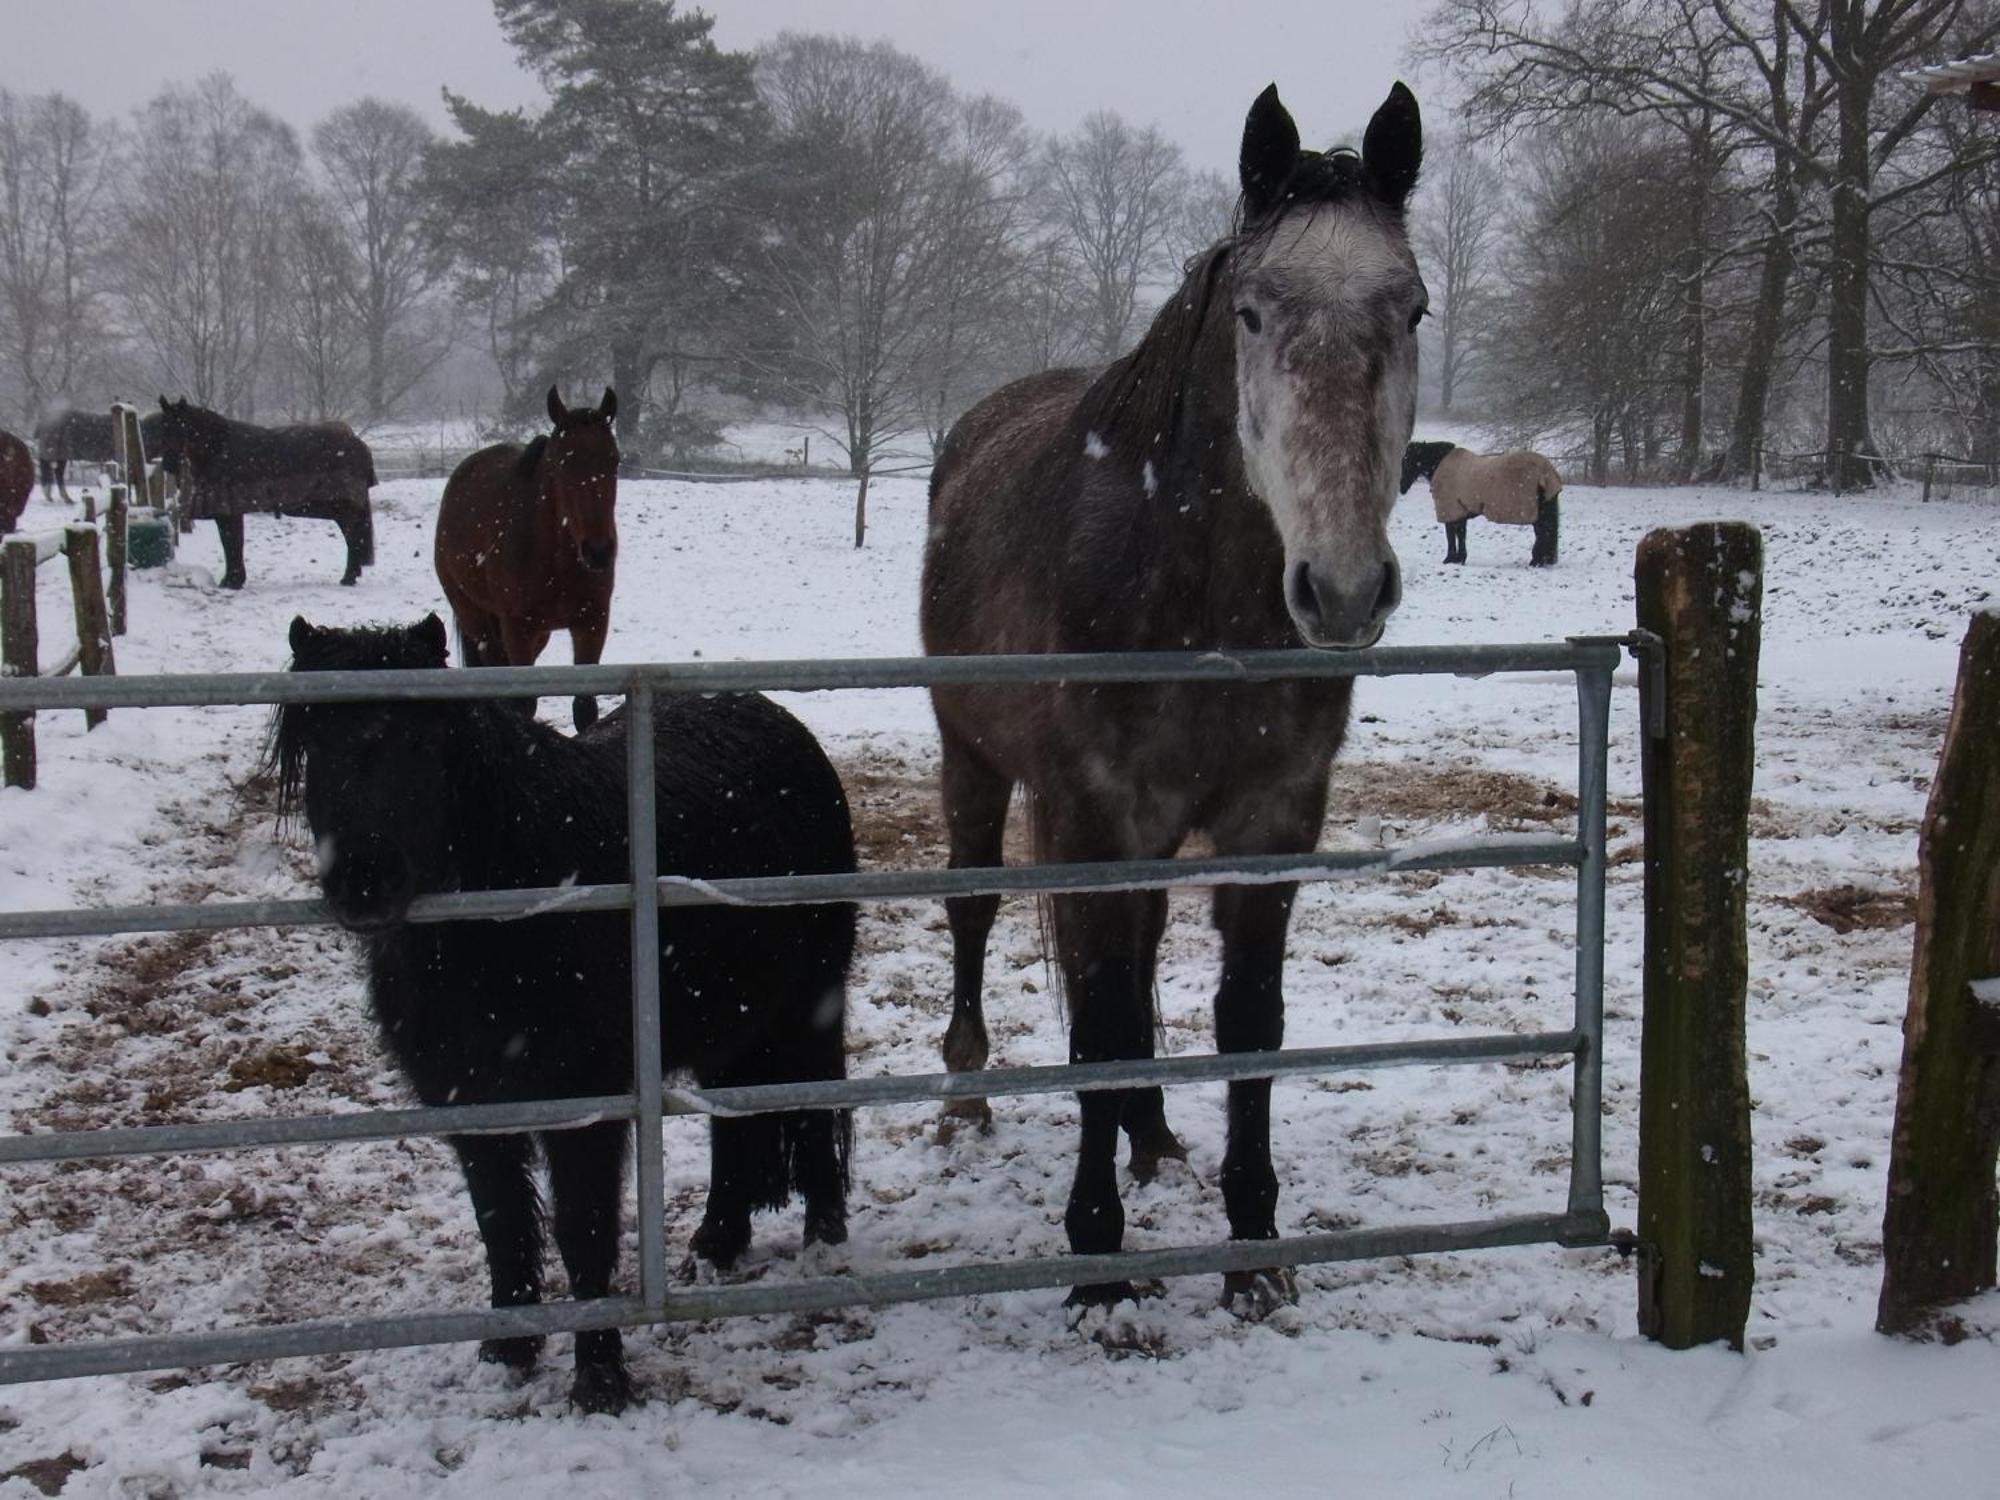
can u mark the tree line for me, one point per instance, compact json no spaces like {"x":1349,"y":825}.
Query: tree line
{"x":823,"y":223}
{"x":1664,"y":238}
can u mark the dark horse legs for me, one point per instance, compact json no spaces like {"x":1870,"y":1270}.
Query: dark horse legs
{"x":357,"y":529}
{"x":230,"y":530}
{"x":1454,"y":541}
{"x":1548,"y":518}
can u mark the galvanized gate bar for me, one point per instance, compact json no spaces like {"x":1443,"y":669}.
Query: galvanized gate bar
{"x":1586,"y":1175}
{"x":1591,"y":660}
{"x":238,"y":689}
{"x":644,"y":850}
{"x":1491,"y":851}
{"x":765,"y":1298}
{"x":900,"y":1088}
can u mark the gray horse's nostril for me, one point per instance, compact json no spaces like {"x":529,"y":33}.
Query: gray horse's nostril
{"x":1302,"y":596}
{"x":1390,"y":594}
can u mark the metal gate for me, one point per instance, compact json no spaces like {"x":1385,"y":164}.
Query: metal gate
{"x":1591,"y":660}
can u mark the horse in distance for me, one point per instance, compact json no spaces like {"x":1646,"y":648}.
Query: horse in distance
{"x":527,"y":542}
{"x":1226,"y":485}
{"x":1511,"y":489}
{"x":413,"y":798}
{"x":67,"y":435}
{"x":231,"y":469}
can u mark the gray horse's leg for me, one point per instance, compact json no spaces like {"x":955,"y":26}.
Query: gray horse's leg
{"x":975,"y":815}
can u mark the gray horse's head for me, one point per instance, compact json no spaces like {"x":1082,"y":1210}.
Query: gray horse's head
{"x":1327,"y":299}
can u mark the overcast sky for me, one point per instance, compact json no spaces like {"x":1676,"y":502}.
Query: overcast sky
{"x":1190,"y":66}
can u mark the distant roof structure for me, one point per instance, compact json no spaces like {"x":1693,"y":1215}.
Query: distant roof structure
{"x":1978,"y":78}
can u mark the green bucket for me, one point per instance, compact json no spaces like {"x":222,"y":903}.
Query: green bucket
{"x":149,"y":539}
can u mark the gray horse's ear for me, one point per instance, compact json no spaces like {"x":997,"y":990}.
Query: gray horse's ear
{"x":302,"y":635}
{"x":430,"y":634}
{"x":1393,"y":147}
{"x":608,"y":407}
{"x":558,"y":413}
{"x":165,"y":405}
{"x":1270,"y":151}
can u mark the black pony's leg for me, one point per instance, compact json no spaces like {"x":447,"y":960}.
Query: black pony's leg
{"x":746,"y":1170}
{"x":499,"y":1178}
{"x":975,"y":814}
{"x":1450,"y":543}
{"x":230,"y":530}
{"x":817,"y":1141}
{"x":586,"y":1182}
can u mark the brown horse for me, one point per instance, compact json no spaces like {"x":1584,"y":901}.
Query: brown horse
{"x":527,"y":543}
{"x":1224,"y":486}
{"x":17,"y":479}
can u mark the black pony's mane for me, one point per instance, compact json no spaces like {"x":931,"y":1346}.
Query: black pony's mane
{"x":531,"y":456}
{"x":1144,"y":391}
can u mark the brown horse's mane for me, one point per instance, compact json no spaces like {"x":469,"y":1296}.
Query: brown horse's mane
{"x":531,"y":456}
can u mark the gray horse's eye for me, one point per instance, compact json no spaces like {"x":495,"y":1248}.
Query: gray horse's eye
{"x":1250,"y":319}
{"x":1421,"y":312}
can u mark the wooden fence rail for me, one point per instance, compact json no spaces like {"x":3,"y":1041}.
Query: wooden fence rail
{"x":20,"y":628}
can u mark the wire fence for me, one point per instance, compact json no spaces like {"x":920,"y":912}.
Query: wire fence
{"x":1591,"y":661}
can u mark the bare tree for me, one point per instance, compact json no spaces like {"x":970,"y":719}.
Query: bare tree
{"x":1203,"y":214}
{"x":1110,"y":193}
{"x":324,"y":338}
{"x":55,"y":166}
{"x":212,"y":180}
{"x":371,"y":154}
{"x":853,"y":267}
{"x":1458,"y":237}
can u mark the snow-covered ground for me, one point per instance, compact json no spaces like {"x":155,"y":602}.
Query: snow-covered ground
{"x":1503,"y":1373}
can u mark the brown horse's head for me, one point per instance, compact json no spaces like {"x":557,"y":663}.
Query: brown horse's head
{"x":579,"y":470}
{"x":1327,"y":299}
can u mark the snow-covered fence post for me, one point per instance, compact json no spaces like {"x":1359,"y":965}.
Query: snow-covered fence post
{"x":1939,"y":1231}
{"x":20,"y":649}
{"x":1701,"y":591}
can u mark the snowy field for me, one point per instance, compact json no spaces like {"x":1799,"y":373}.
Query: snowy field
{"x":1506,"y":1373}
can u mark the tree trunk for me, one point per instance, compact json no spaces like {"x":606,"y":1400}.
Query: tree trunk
{"x":1847,"y":438}
{"x":1774,"y":284}
{"x":1701,"y":591}
{"x":1938,"y":1234}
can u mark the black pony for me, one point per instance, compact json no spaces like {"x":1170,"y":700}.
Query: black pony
{"x":231,"y":469}
{"x":406,"y":799}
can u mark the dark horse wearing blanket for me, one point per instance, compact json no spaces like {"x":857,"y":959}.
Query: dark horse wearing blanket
{"x":1511,"y":489}
{"x":232,"y":469}
{"x":1226,"y":485}
{"x":407,"y":799}
{"x":17,"y":480}
{"x":527,"y":542}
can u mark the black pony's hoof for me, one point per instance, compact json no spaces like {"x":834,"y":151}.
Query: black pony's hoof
{"x":1083,"y":1300}
{"x":720,"y":1244}
{"x":1255,"y":1295}
{"x":584,"y":712}
{"x":233,"y":580}
{"x":605,"y":1389}
{"x":517,"y":1354}
{"x":826,"y":1228}
{"x":350,"y":580}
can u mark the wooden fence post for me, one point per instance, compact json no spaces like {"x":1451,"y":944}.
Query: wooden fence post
{"x":114,"y":554}
{"x":1701,"y":591}
{"x":93,"y":627}
{"x":20,"y":650}
{"x":1939,"y":1230}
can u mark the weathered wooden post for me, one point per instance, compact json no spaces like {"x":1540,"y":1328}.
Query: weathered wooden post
{"x":115,"y":556}
{"x":1701,"y":591}
{"x":93,"y":627}
{"x":19,"y":656}
{"x":1939,"y":1231}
